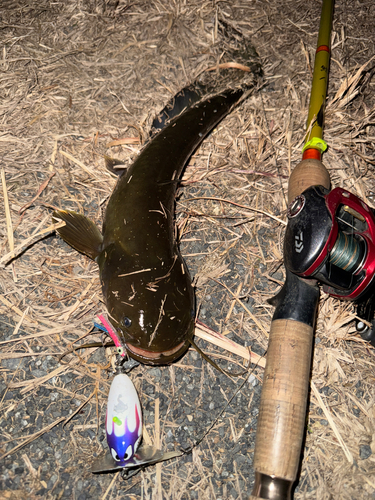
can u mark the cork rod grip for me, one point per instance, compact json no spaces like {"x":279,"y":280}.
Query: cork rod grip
{"x":282,"y":411}
{"x":307,"y":173}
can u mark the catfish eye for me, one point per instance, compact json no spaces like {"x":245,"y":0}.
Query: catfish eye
{"x":127,"y":321}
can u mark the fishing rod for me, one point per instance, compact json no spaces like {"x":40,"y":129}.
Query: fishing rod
{"x":282,"y":411}
{"x":329,"y":241}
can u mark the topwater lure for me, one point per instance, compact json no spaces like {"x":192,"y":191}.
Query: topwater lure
{"x":124,"y":432}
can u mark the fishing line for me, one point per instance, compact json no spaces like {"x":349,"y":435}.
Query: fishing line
{"x":211,"y":426}
{"x":279,"y":174}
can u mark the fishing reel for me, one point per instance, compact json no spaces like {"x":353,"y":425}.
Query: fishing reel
{"x":330,"y":237}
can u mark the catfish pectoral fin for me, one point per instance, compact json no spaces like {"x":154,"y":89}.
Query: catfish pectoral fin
{"x":79,"y":232}
{"x":112,"y":165}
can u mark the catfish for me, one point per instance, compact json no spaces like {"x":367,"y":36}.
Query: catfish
{"x":146,"y":285}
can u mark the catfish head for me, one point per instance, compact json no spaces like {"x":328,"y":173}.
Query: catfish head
{"x":151,"y":308}
{"x":150,"y":300}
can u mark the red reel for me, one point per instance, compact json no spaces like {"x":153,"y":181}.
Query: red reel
{"x":331,"y":237}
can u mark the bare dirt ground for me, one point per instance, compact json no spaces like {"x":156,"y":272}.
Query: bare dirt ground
{"x":83,"y":79}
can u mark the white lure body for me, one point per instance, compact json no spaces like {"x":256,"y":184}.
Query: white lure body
{"x":123,"y":419}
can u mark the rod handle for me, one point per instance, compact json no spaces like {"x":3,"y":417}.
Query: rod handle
{"x":306,"y":174}
{"x":282,"y":411}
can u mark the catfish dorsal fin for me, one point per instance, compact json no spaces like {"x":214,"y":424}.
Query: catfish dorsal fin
{"x":79,"y":232}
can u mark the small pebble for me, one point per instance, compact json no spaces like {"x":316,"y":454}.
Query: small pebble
{"x":365,"y":451}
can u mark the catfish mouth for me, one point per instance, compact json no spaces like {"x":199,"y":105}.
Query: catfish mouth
{"x":157,"y":358}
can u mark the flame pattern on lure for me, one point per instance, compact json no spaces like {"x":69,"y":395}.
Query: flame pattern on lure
{"x":123,"y":419}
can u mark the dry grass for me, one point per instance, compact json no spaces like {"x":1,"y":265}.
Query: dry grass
{"x":84,"y":79}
